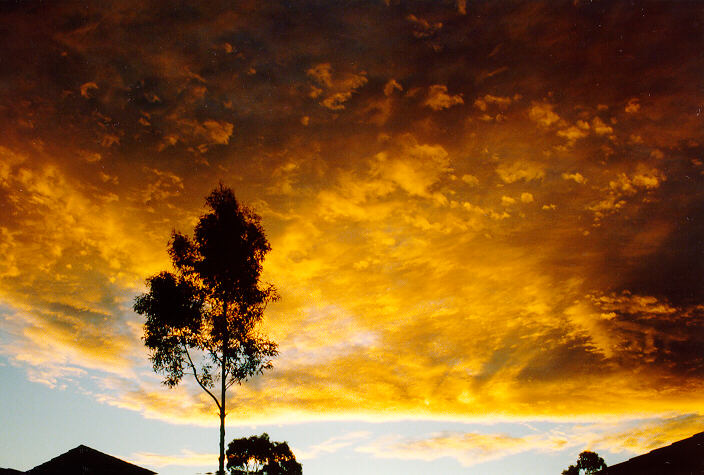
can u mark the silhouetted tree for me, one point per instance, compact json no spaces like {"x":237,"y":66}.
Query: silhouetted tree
{"x":201,"y":319}
{"x":571,"y":470}
{"x":258,"y":455}
{"x":588,"y":461}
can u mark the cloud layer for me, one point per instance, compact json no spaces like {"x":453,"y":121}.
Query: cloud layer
{"x":475,"y":211}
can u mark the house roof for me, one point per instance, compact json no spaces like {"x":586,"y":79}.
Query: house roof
{"x":86,"y":461}
{"x":685,"y":457}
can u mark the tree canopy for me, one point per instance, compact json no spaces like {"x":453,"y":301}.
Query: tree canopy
{"x":588,"y":461}
{"x":257,"y":455}
{"x":571,"y":470}
{"x":201,"y":319}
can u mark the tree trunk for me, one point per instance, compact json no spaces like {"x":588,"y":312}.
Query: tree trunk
{"x":223,"y":388}
{"x":222,"y":415}
{"x":221,"y":459}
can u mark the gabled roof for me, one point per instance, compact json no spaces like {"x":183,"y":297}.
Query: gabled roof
{"x":685,"y":457}
{"x":86,"y":461}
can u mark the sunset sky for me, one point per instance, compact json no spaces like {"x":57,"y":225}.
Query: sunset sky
{"x":486,"y":222}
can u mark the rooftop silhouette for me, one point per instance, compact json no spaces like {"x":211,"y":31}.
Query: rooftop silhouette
{"x":84,"y":461}
{"x":684,"y":457}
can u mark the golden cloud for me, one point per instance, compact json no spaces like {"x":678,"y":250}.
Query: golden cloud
{"x":433,"y":262}
{"x":511,"y":172}
{"x":439,"y":99}
{"x":187,"y":458}
{"x":339,"y":87}
{"x":543,"y":114}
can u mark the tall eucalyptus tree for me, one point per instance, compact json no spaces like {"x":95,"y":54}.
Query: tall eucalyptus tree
{"x":201,"y":319}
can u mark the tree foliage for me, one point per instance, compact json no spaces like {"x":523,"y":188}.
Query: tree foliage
{"x":571,"y":470}
{"x":258,"y":455}
{"x":201,"y":319}
{"x":588,"y":461}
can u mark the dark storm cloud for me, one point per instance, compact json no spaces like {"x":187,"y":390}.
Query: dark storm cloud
{"x":248,"y":66}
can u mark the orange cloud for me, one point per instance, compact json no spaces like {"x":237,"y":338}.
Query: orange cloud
{"x":543,"y":114}
{"x":439,"y":99}
{"x":391,"y":86}
{"x":511,"y":172}
{"x":576,"y":177}
{"x":339,"y":87}
{"x":434,"y":262}
{"x":86,"y":88}
{"x":422,"y":27}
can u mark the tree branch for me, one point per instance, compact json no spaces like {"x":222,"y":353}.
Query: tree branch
{"x":195,"y":375}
